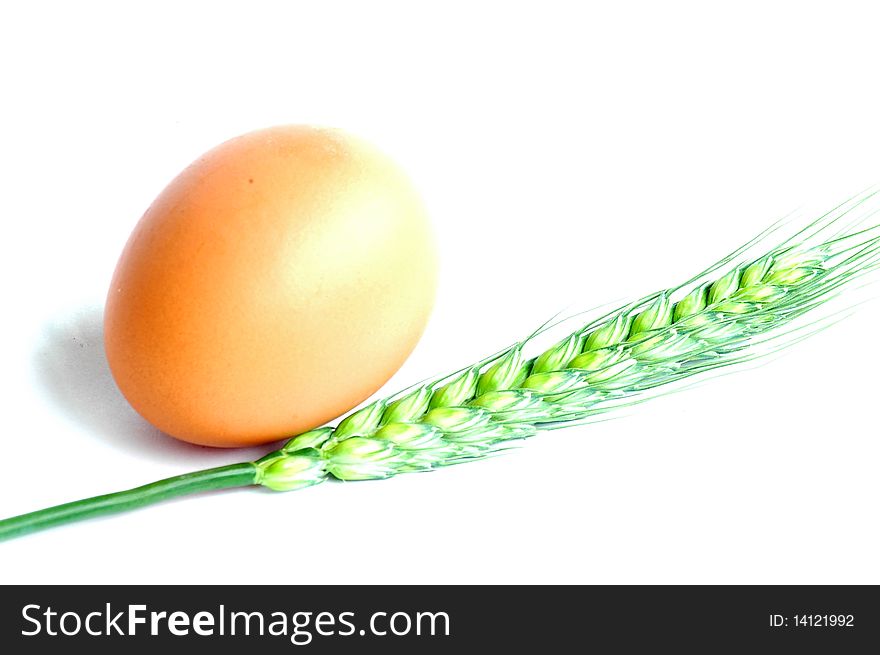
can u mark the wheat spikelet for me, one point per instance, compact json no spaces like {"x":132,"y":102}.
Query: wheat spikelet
{"x":608,"y":363}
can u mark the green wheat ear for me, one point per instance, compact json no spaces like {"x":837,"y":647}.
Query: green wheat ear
{"x":609,"y":363}
{"x":739,"y":309}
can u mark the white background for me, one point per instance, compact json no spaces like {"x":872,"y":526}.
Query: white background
{"x":570,"y":154}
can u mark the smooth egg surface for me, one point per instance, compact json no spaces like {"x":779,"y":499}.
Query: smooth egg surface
{"x":276,"y":283}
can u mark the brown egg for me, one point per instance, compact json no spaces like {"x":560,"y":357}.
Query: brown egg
{"x":276,"y":283}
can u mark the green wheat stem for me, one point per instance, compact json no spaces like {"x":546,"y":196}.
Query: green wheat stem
{"x":224,"y":477}
{"x":738,"y":310}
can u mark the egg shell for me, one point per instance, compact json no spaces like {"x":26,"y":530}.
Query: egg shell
{"x":274,"y":284}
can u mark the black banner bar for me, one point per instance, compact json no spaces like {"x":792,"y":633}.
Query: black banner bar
{"x":405,"y":619}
